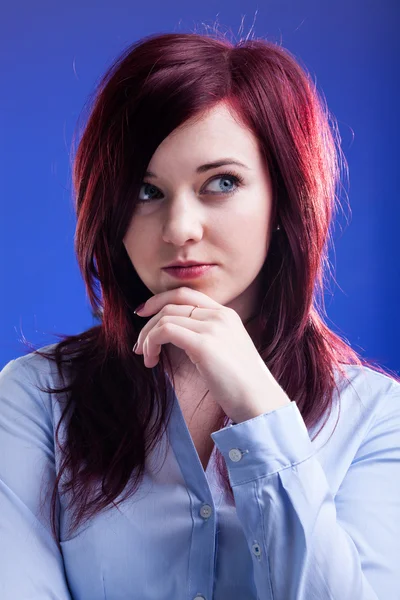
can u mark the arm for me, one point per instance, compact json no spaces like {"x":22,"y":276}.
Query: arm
{"x":31,"y":566}
{"x":305,"y":543}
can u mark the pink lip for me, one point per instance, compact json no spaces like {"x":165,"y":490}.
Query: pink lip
{"x":187,"y":272}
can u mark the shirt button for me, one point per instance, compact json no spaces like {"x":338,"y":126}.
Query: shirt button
{"x":199,"y":597}
{"x":235,"y":454}
{"x":205,"y":511}
{"x":256,"y":549}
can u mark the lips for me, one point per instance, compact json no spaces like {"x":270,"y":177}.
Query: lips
{"x":189,"y":272}
{"x":185,"y":264}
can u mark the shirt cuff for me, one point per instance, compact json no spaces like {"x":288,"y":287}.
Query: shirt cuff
{"x":265,"y":444}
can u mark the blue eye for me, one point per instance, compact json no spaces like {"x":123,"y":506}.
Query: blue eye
{"x":150,"y":189}
{"x":224,"y":188}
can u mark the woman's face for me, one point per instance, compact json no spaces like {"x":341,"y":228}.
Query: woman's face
{"x":205,"y":215}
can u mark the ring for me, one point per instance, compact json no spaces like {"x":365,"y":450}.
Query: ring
{"x":193,"y":310}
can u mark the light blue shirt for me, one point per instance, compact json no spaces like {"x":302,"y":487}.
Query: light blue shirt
{"x":313,"y":520}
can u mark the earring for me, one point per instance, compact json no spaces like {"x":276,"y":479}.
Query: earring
{"x":278,"y":228}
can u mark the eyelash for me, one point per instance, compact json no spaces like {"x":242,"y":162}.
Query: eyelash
{"x":238,"y":180}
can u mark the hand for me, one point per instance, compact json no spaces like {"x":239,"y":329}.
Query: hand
{"x":217,"y":343}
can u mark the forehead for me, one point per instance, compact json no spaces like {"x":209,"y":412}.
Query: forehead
{"x":208,"y":136}
{"x":218,"y":122}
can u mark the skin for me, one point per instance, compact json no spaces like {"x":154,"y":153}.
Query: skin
{"x":199,"y":216}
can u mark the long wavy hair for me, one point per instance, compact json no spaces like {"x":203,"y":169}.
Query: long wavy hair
{"x":153,"y":87}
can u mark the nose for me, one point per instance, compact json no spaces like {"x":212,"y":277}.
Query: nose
{"x":183,"y":221}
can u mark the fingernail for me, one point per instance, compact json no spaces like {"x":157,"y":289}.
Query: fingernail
{"x":134,"y":347}
{"x":139,"y":307}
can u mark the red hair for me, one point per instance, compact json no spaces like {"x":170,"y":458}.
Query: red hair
{"x":151,"y":89}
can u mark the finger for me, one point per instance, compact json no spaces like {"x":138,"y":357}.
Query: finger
{"x":148,"y":347}
{"x":181,"y":295}
{"x":185,"y":337}
{"x":170,"y":310}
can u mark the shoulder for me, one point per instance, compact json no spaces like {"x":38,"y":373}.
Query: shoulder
{"x":365,"y":419}
{"x":376,"y":394}
{"x":23,"y":382}
{"x":370,"y":383}
{"x":32,"y":367}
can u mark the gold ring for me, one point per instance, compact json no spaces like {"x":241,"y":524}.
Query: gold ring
{"x":192,"y":311}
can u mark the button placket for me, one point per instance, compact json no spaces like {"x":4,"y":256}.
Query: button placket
{"x":205,"y":511}
{"x":256,"y":548}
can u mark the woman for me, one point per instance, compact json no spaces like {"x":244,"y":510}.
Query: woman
{"x":242,"y":450}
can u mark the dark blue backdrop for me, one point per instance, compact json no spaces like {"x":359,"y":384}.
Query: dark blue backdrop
{"x":52,"y":54}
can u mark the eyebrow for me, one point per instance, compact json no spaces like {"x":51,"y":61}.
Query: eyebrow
{"x":208,"y":166}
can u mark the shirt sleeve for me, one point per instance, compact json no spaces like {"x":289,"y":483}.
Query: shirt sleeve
{"x":31,"y":565}
{"x":306,"y":543}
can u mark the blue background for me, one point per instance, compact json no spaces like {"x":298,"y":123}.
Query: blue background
{"x":53,"y":54}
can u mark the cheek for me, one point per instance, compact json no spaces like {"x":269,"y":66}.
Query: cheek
{"x":136,"y":240}
{"x":249,"y":239}
{"x":251,"y":229}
